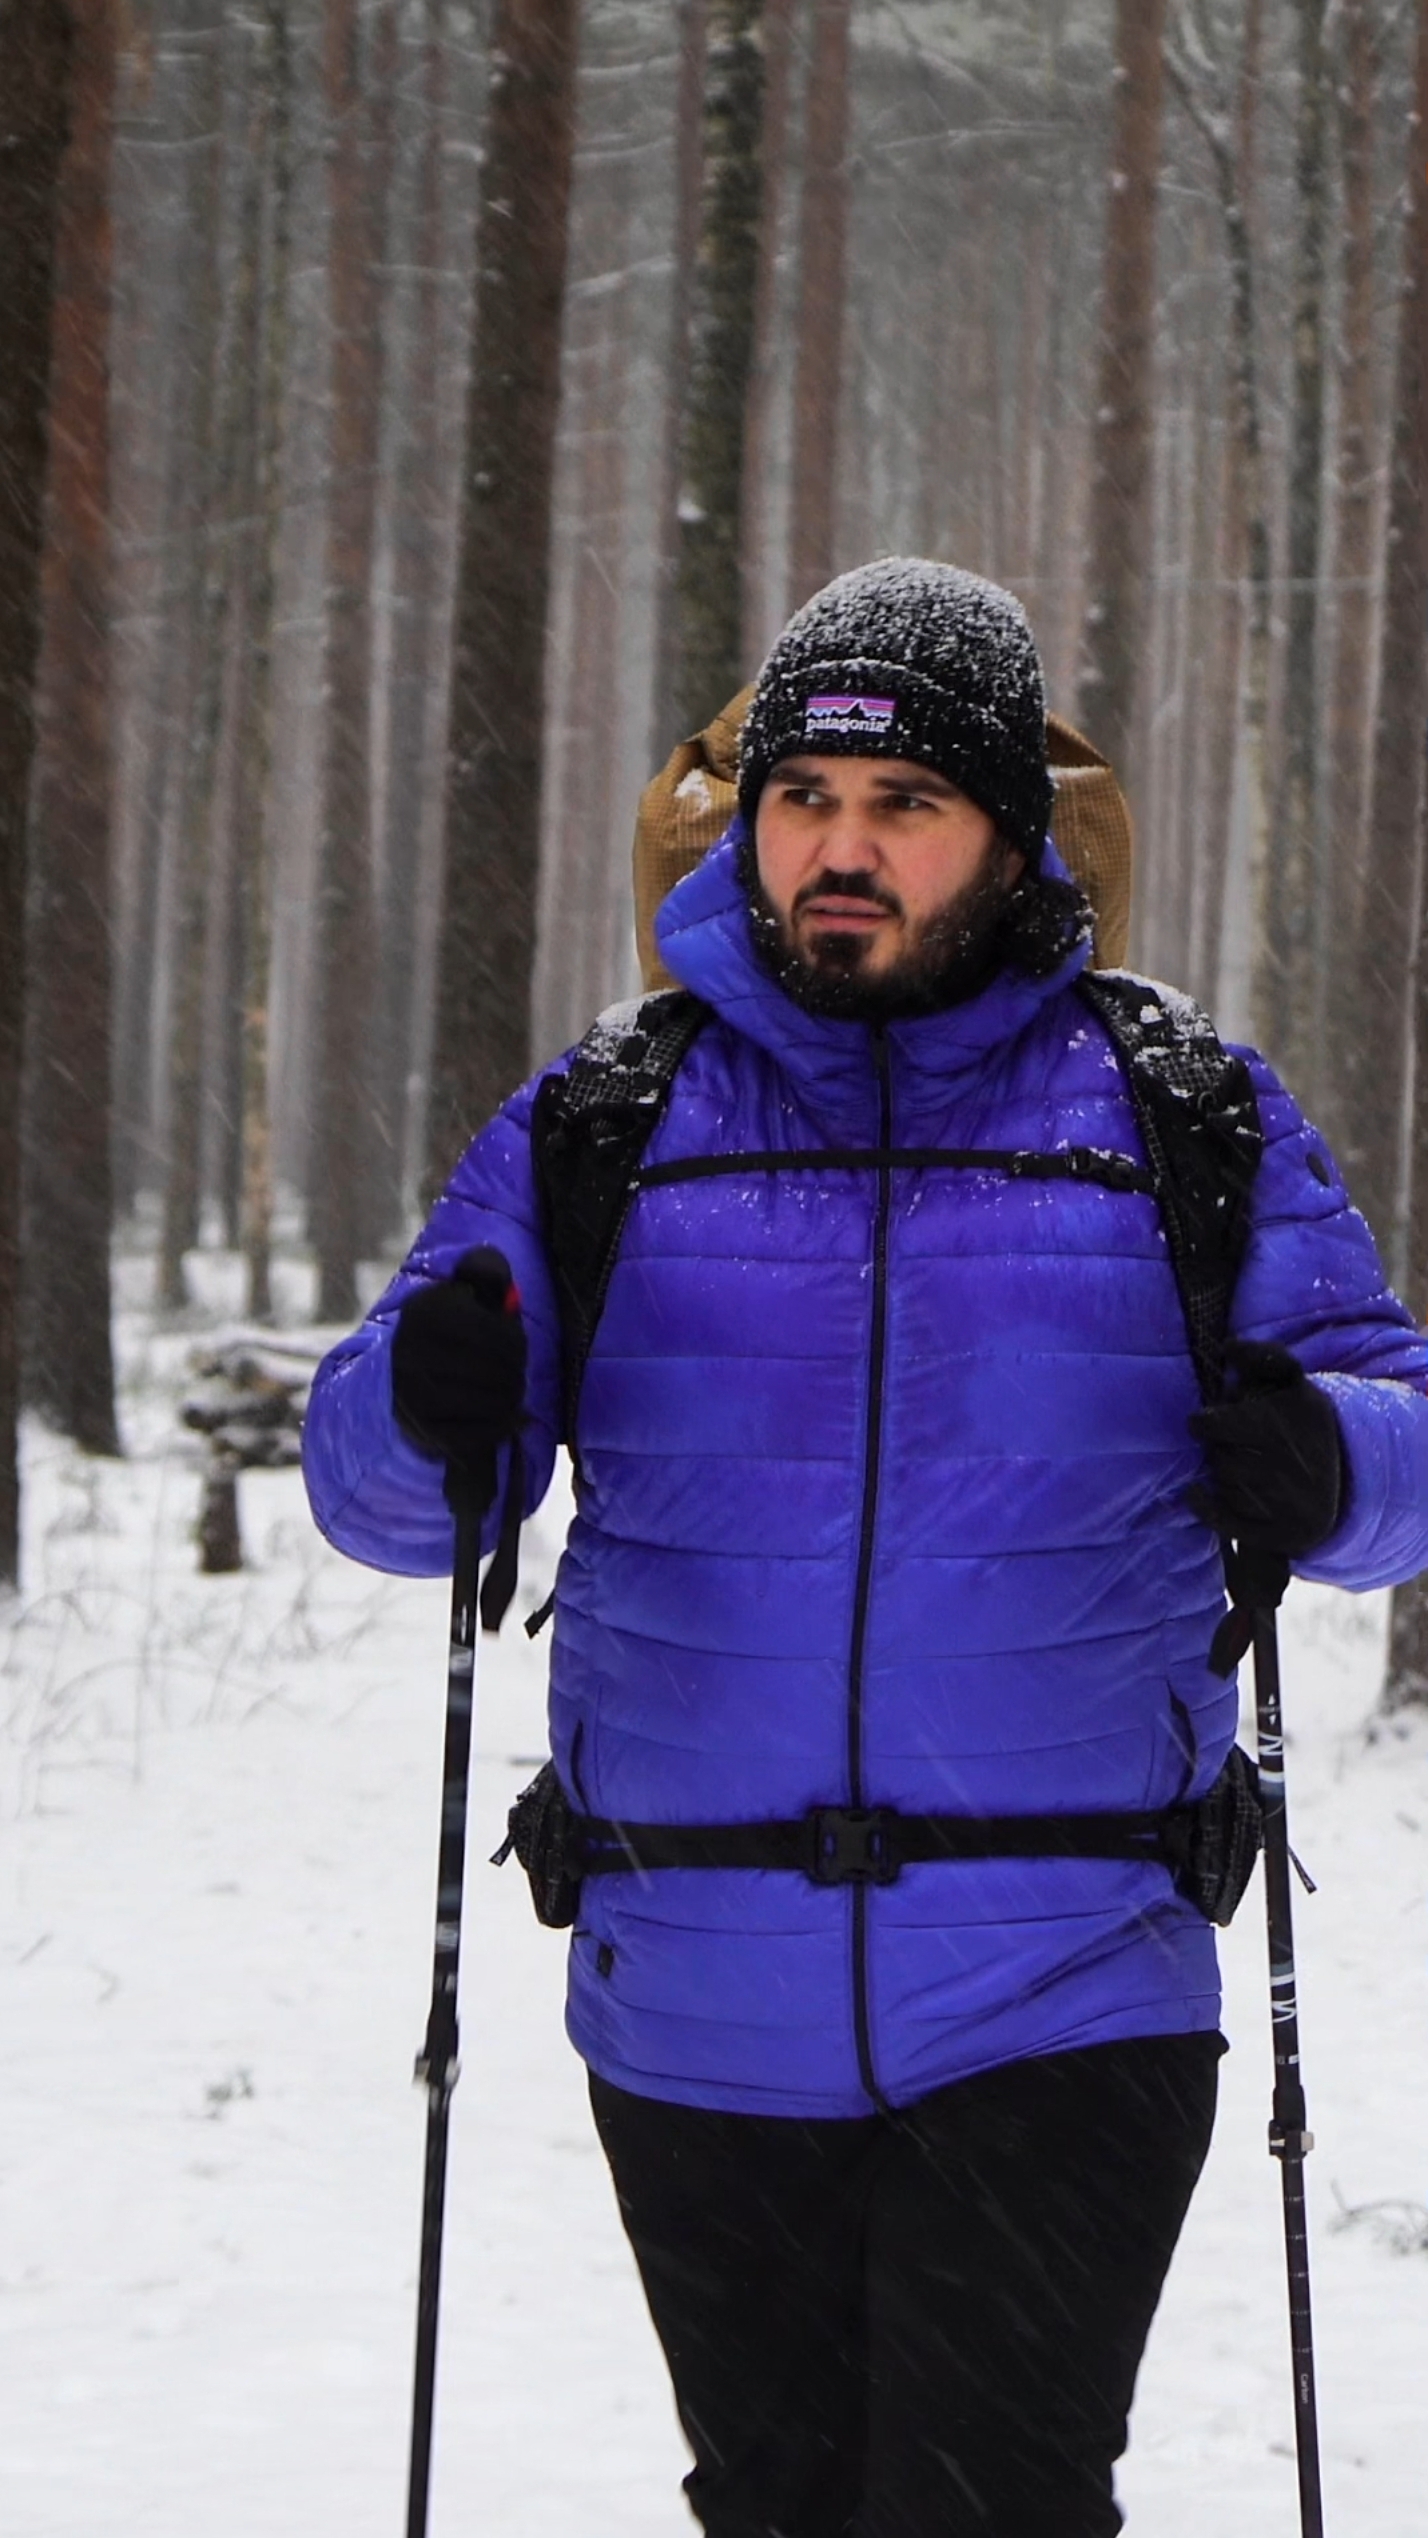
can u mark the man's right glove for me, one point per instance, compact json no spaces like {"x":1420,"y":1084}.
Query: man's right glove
{"x":459,"y":1367}
{"x":1277,"y":1482}
{"x":1275,"y":1455}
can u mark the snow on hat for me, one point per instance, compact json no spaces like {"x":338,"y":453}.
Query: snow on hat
{"x":910,"y":659}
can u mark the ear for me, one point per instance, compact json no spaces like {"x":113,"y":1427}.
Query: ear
{"x":1008,"y":862}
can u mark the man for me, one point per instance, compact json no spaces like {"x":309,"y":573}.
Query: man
{"x":894,"y":1492}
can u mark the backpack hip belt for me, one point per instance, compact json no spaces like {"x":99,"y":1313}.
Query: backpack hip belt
{"x":1209,"y":1847}
{"x":867,"y":1846}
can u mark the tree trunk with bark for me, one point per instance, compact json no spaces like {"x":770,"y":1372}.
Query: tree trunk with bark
{"x":348,"y":1122}
{"x":1355,"y":552}
{"x":1202,"y":392}
{"x":416,"y":590}
{"x":219,"y":398}
{"x":1120,"y":524}
{"x":1394,"y":926}
{"x":35,"y":50}
{"x":492,"y":812}
{"x":182,"y":392}
{"x":688,"y":170}
{"x":68,"y":1207}
{"x":708,"y":649}
{"x":822,"y":294}
{"x":579,"y":959}
{"x":1406,"y":1674}
{"x":1220,"y":723}
{"x":1289,"y":955}
{"x":1225,"y":112}
{"x":760,"y":549}
{"x":254,"y":843}
{"x":1377,"y":1059}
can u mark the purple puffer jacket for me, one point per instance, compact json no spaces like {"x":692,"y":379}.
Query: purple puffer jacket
{"x":882,"y":1501}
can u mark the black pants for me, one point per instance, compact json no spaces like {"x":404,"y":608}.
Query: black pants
{"x":925,"y":2325}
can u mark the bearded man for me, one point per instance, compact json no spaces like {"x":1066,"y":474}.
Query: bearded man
{"x":897,"y":1508}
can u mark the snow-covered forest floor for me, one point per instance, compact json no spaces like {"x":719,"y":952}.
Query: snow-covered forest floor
{"x":218,"y":1815}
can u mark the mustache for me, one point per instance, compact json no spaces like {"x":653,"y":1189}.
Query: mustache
{"x":847,"y":885}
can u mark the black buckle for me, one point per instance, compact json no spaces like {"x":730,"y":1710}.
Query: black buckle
{"x":852,"y":1846}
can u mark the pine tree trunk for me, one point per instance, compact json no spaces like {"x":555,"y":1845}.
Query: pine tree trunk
{"x":137,"y":1159}
{"x":1377,"y":1058}
{"x":416,"y":590}
{"x":1231,"y":142}
{"x":202,"y":622}
{"x":1399,"y":739}
{"x":578,"y":961}
{"x":1033,"y":387}
{"x":708,"y":648}
{"x":1355,"y":470}
{"x":762,"y":553}
{"x":492,"y":815}
{"x":1196,"y":659}
{"x":822,"y":288}
{"x":1406,"y":1674}
{"x":990,"y":406}
{"x":178,"y":402}
{"x":236,"y":812}
{"x":1287,"y":1004}
{"x":1056,"y":546}
{"x":1406,"y":1679}
{"x":346,"y":1122}
{"x":254,"y":843}
{"x":1220,"y":723}
{"x":1120,"y":523}
{"x":69,"y":1366}
{"x":35,"y":77}
{"x":688,"y":170}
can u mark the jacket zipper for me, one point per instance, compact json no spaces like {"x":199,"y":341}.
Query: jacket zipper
{"x":872,"y":1454}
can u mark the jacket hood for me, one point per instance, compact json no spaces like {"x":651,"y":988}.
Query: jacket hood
{"x":706,"y":941}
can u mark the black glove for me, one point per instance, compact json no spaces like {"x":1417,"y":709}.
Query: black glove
{"x":1275,"y":1456}
{"x":459,"y":1367}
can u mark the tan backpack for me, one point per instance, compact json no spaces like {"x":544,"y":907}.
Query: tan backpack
{"x":689,"y":804}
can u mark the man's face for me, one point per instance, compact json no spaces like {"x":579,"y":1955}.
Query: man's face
{"x":880,"y":877}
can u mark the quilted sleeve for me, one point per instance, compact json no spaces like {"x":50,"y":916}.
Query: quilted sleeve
{"x":373,"y":1493}
{"x":1312,"y":1280}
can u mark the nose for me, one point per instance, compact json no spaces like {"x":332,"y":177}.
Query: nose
{"x":849,"y":842}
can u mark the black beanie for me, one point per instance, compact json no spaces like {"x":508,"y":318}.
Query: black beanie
{"x":910,"y":659}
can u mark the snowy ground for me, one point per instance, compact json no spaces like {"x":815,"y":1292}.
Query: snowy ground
{"x":218,"y":1803}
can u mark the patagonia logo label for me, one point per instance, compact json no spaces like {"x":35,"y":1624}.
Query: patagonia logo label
{"x":871,"y":714}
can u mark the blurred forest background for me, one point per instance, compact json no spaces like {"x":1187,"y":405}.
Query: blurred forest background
{"x":415,"y":415}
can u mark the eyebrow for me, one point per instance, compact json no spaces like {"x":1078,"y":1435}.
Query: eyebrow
{"x":921,"y":779}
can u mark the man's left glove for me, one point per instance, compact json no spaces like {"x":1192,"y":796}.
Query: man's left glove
{"x":459,"y":1367}
{"x":1277,"y":1479}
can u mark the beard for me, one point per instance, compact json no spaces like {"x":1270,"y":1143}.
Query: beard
{"x":948,"y":956}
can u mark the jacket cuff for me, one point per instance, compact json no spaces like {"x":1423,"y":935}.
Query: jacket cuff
{"x":1382,"y":1533}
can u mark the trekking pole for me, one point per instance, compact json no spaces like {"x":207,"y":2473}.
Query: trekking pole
{"x":1289,"y":2136}
{"x":438,"y":2063}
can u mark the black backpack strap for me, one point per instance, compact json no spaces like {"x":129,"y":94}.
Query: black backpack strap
{"x":589,"y":1130}
{"x":1199,"y":1120}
